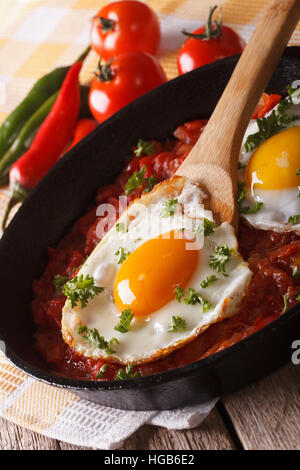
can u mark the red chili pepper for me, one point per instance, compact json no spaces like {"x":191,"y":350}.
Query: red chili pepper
{"x":49,"y":143}
{"x":83,"y":128}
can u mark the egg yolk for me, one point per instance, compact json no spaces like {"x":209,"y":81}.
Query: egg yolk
{"x":274,"y":164}
{"x":148,"y":277}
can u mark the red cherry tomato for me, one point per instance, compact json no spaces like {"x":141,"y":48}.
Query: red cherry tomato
{"x":125,"y":26}
{"x":207,"y":44}
{"x":127,"y":77}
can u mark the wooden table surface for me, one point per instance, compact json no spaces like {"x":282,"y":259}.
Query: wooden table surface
{"x":265,"y":415}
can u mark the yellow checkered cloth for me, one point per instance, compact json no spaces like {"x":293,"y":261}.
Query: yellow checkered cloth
{"x":35,"y":37}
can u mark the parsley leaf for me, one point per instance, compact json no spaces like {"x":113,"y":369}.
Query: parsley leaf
{"x":179,"y":293}
{"x":285,"y":304}
{"x":92,"y":336}
{"x":221,"y":257}
{"x":136,"y":180}
{"x":296,"y":272}
{"x":127,"y":373}
{"x":125,"y":319}
{"x":272,"y":124}
{"x":102,"y":371}
{"x":298,"y":172}
{"x":81,"y":289}
{"x":240,"y":199}
{"x":194,"y":298}
{"x":169,"y":208}
{"x":177,"y":324}
{"x":59,"y":282}
{"x":206,"y":227}
{"x":294,"y":219}
{"x":208,"y":281}
{"x":151,"y":182}
{"x":144,"y":147}
{"x":120,"y":227}
{"x":123,"y":254}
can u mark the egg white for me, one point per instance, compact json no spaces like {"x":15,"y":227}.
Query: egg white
{"x":148,"y":337}
{"x":278,"y":205}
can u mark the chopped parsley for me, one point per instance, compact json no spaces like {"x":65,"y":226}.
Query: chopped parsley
{"x":151,"y":182}
{"x":285,"y":304}
{"x":194,"y":298}
{"x":126,"y":374}
{"x":177,"y":324}
{"x":125,"y":319}
{"x":208,"y":281}
{"x":59,"y":281}
{"x":102,"y":371}
{"x":179,"y":293}
{"x":123,"y":254}
{"x":120,"y":227}
{"x":221,"y":257}
{"x":272,"y":124}
{"x":298,"y":298}
{"x":205,"y":227}
{"x":294,"y":219}
{"x":169,"y":208}
{"x":298,"y":172}
{"x":92,"y":336}
{"x":144,"y":147}
{"x":296,"y":272}
{"x":81,"y":289}
{"x":240,"y":199}
{"x":136,"y":180}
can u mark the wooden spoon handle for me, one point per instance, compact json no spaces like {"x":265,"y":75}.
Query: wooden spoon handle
{"x":220,"y":143}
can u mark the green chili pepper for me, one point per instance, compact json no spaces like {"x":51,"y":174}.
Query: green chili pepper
{"x":41,"y":91}
{"x":24,"y":139}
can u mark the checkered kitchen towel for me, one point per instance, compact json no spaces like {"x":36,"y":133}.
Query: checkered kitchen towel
{"x":35,"y":37}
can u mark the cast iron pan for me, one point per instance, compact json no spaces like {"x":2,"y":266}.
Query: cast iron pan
{"x":63,"y":196}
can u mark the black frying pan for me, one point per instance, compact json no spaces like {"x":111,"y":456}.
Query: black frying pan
{"x":63,"y":196}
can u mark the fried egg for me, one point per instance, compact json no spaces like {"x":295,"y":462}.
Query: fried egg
{"x":152,"y":266}
{"x":269,"y":175}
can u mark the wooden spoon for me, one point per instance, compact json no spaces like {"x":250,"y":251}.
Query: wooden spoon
{"x":213,"y":161}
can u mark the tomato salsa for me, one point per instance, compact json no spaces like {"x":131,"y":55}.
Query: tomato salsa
{"x":272,"y":257}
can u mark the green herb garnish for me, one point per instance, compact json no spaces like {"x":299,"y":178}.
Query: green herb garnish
{"x":208,"y":281}
{"x":59,"y":281}
{"x":81,"y":289}
{"x":179,"y":293}
{"x":169,"y":208}
{"x":136,"y":180}
{"x":294,"y":219}
{"x":194,"y":298}
{"x":102,"y":371}
{"x":151,"y":182}
{"x":123,"y":254}
{"x":296,"y":272}
{"x":92,"y":336}
{"x":120,"y":227}
{"x":205,"y":227}
{"x":125,"y":319}
{"x":221,"y":257}
{"x":144,"y":147}
{"x":285,"y":304}
{"x":240,"y":199}
{"x":127,"y":373}
{"x":177,"y":324}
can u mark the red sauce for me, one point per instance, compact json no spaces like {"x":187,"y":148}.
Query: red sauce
{"x":271,"y":256}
